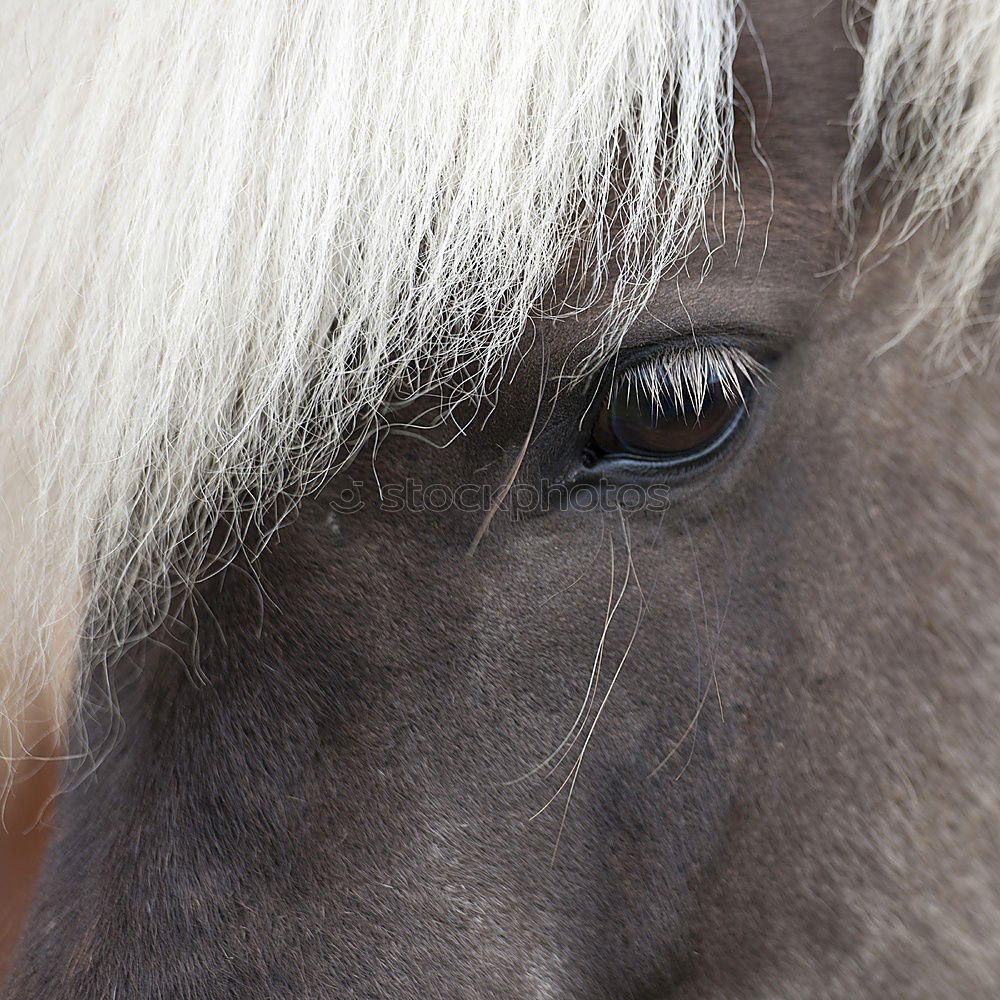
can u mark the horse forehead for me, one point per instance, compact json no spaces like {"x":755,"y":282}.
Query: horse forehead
{"x":799,"y":33}
{"x":800,"y":75}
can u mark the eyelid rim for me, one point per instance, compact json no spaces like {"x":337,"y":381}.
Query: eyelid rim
{"x":753,"y":336}
{"x":764,"y":344}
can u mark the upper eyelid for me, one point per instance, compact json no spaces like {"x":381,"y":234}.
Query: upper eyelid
{"x":652,"y":357}
{"x":754,"y":338}
{"x":760,"y":340}
{"x":690,"y":364}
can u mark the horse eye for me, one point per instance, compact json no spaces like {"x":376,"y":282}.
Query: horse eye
{"x":654,"y":419}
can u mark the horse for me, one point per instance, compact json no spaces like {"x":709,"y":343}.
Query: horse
{"x":501,"y":498}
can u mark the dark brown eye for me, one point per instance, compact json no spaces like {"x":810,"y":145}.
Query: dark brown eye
{"x":668,"y":417}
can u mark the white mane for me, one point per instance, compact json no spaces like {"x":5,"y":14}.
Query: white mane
{"x":926,"y":142}
{"x":223,"y":222}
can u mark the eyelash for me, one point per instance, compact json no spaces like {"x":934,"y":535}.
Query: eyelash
{"x":685,"y":372}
